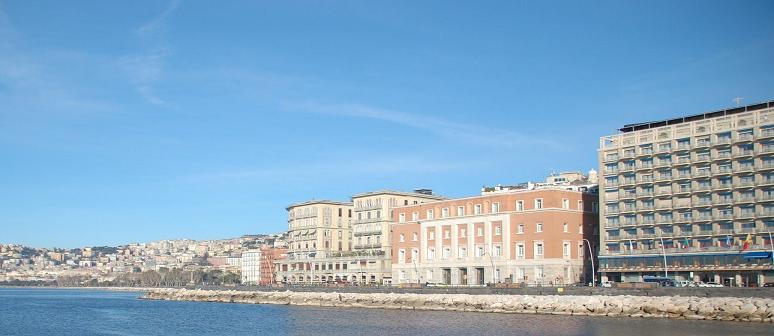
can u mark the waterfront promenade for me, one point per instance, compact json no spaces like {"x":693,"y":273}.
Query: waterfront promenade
{"x":675,"y":307}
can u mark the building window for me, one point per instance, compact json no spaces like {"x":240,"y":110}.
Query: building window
{"x":480,"y":232}
{"x":520,"y":251}
{"x":519,"y":205}
{"x":580,"y":205}
{"x":430,"y":214}
{"x":538,"y":250}
{"x":415,"y":236}
{"x":539,"y":227}
{"x":402,"y":238}
{"x":415,"y":216}
{"x":565,"y":203}
{"x":447,"y":234}
{"x":462,"y":233}
{"x":566,"y":249}
{"x":430,"y":253}
{"x":414,"y":255}
{"x":402,"y":218}
{"x":564,"y":227}
{"x":477,"y":209}
{"x":463,"y":252}
{"x":461,"y":211}
{"x":539,"y":203}
{"x":498,"y":230}
{"x":444,"y":212}
{"x":432,"y":235}
{"x":520,"y":229}
{"x":495,"y":207}
{"x":479,"y":251}
{"x":580,"y":250}
{"x":401,"y":256}
{"x":497,"y":251}
{"x":580,"y":228}
{"x":446,"y":253}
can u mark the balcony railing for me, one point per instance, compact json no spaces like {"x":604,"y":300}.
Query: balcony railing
{"x":743,"y":152}
{"x":766,"y":150}
{"x":723,"y":216}
{"x":722,"y":170}
{"x":744,"y":137}
{"x":723,"y":155}
{"x":768,"y":132}
{"x":702,"y":202}
{"x":765,"y":165}
{"x":722,"y":141}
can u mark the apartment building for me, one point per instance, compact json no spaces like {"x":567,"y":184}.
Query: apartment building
{"x":364,"y":237}
{"x":269,"y":255}
{"x":251,"y":267}
{"x":371,"y":227}
{"x":521,"y":235}
{"x":681,"y":197}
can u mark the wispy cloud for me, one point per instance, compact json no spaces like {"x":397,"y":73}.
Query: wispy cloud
{"x":332,"y":170}
{"x":146,"y":68}
{"x":464,"y":132}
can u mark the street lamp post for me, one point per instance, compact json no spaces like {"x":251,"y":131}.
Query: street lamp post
{"x":771,"y":245}
{"x":663,"y":251}
{"x":591,"y":257}
{"x":491,"y":261}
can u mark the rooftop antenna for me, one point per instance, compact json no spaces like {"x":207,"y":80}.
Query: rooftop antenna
{"x":737,"y":100}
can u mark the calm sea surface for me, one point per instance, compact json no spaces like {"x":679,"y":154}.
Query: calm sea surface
{"x":92,"y":312}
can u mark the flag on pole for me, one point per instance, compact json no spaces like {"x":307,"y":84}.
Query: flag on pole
{"x":747,"y":242}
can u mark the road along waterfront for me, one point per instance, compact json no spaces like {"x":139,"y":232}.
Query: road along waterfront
{"x":676,"y":307}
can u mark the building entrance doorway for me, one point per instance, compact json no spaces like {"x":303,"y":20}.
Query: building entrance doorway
{"x":446,"y":276}
{"x":480,"y":275}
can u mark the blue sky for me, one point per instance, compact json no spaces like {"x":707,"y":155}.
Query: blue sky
{"x":144,"y":120}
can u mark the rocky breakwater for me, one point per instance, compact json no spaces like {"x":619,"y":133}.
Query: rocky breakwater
{"x":693,"y":308}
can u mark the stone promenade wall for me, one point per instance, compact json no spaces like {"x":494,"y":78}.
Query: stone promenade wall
{"x":693,"y":308}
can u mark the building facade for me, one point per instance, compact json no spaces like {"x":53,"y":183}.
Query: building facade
{"x":251,"y":267}
{"x":691,"y":198}
{"x":531,"y":236}
{"x":270,"y":255}
{"x":371,"y":228}
{"x":317,"y":231}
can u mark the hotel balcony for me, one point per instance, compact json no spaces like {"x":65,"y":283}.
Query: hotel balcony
{"x":645,"y":152}
{"x":702,"y":218}
{"x":697,"y":188}
{"x":745,"y":184}
{"x":763,"y":181}
{"x":683,"y":147}
{"x":611,"y":158}
{"x":765,"y":150}
{"x":723,"y":186}
{"x":745,"y":215}
{"x":613,"y":171}
{"x":702,"y":203}
{"x":644,"y":166}
{"x":702,"y":144}
{"x":663,"y":163}
{"x":644,"y":194}
{"x":627,"y":168}
{"x":766,"y":165}
{"x":766,"y":213}
{"x":368,"y":232}
{"x":722,"y":156}
{"x":765,"y":197}
{"x":367,"y":246}
{"x":665,"y":221}
{"x":723,"y":216}
{"x":648,"y":221}
{"x":766,"y":133}
{"x":743,"y":152}
{"x":701,"y":159}
{"x":744,"y":137}
{"x":745,"y":199}
{"x":722,"y":171}
{"x":661,"y":178}
{"x":721,"y":141}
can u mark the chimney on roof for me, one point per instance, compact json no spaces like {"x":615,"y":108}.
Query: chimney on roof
{"x":424,"y":191}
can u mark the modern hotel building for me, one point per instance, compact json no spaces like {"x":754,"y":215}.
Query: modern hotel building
{"x":690,"y":191}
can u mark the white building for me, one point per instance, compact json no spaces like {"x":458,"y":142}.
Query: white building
{"x":251,"y":267}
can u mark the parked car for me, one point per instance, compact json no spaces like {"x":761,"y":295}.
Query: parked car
{"x":710,"y":284}
{"x":686,"y":283}
{"x":768,"y":284}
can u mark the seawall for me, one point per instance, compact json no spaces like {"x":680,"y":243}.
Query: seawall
{"x":693,"y":308}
